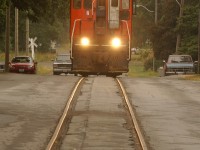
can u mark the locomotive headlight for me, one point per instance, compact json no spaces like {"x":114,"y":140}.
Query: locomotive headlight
{"x":116,"y":42}
{"x":85,"y":41}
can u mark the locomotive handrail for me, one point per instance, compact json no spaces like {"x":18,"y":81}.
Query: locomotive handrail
{"x":129,"y":37}
{"x":93,"y":7}
{"x":72,"y":37}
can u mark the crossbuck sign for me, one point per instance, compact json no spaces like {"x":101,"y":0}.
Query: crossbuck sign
{"x":32,"y":45}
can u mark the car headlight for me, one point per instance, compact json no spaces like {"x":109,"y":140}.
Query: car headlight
{"x":31,"y":66}
{"x":116,"y":42}
{"x":11,"y":66}
{"x":85,"y":41}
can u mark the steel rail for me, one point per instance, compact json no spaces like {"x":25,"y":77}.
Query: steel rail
{"x":134,"y":120}
{"x":52,"y":142}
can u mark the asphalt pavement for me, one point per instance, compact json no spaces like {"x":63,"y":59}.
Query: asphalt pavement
{"x":30,"y":106}
{"x":168,"y":109}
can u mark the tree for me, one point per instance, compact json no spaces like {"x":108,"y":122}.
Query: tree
{"x":2,"y":23}
{"x":48,"y":9}
{"x":48,"y":20}
{"x":163,"y":35}
{"x":189,"y":30}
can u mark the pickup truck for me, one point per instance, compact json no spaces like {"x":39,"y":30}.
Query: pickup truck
{"x":178,"y":64}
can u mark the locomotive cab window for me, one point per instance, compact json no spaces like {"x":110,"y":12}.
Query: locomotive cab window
{"x":114,"y":3}
{"x":77,"y":4}
{"x":125,"y":4}
{"x":88,"y":4}
{"x":101,"y":2}
{"x":124,"y":15}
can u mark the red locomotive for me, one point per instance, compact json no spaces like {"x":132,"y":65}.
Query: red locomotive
{"x":100,"y":33}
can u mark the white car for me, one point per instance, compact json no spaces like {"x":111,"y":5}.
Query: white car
{"x":134,"y":50}
{"x":62,"y":64}
{"x":2,"y":66}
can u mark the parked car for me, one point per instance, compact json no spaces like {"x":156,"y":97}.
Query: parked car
{"x":2,"y":66}
{"x":23,"y":64}
{"x":134,"y":50}
{"x":62,"y":64}
{"x":179,"y":64}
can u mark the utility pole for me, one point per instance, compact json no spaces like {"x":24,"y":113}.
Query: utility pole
{"x":156,"y":23}
{"x":16,"y":32}
{"x":156,"y":12}
{"x":27,"y":35}
{"x":198,"y":65}
{"x":7,"y":45}
{"x":178,"y":40}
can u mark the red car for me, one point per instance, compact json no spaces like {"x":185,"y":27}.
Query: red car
{"x":22,"y":64}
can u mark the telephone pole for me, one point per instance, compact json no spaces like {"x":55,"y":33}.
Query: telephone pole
{"x":16,"y":32}
{"x":198,"y":64}
{"x":178,"y":40}
{"x":156,"y":12}
{"x":27,"y":35}
{"x":7,"y":44}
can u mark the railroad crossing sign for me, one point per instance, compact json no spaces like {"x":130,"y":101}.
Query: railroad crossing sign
{"x":32,"y":45}
{"x":53,"y":44}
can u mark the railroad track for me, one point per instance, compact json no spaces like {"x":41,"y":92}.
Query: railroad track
{"x":96,"y":124}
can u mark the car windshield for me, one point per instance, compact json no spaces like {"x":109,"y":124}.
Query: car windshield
{"x":21,"y":60}
{"x":63,"y":57}
{"x":179,"y":59}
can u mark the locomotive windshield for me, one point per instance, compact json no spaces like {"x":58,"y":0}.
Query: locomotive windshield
{"x":101,"y":2}
{"x":77,"y":4}
{"x":88,"y":4}
{"x":114,"y":3}
{"x":125,"y":4}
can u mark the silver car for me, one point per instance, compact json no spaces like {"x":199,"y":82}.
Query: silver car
{"x":2,"y":66}
{"x":179,"y":64}
{"x":62,"y":64}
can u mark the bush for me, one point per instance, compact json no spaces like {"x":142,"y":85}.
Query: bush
{"x":147,"y":57}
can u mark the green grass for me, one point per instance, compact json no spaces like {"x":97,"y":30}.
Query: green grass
{"x":44,"y":70}
{"x":136,"y":68}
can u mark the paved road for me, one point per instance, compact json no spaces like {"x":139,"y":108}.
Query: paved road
{"x":168,"y":108}
{"x":30,"y":106}
{"x":169,"y":111}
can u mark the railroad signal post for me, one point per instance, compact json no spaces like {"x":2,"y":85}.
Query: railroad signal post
{"x":32,"y":45}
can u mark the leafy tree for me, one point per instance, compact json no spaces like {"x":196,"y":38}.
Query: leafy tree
{"x":163,"y":35}
{"x":48,"y":21}
{"x":189,"y":30}
{"x":2,"y":22}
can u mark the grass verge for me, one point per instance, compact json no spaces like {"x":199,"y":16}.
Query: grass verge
{"x":191,"y":77}
{"x":136,"y":68}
